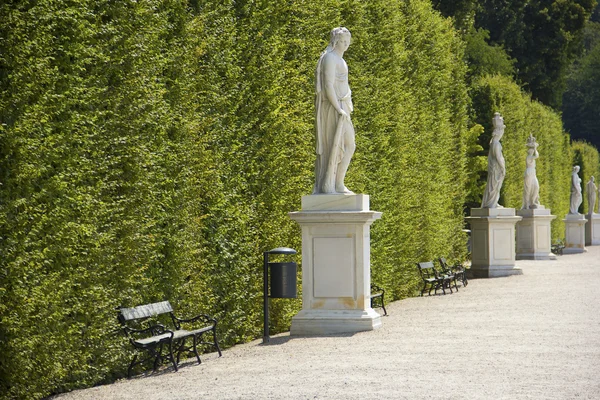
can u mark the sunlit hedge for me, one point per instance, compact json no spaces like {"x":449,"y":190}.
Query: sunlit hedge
{"x":152,"y":149}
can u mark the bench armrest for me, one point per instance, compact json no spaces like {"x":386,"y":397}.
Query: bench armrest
{"x":200,"y":317}
{"x":153,"y":330}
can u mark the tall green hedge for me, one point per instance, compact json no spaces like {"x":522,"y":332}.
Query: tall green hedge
{"x":522,"y":117}
{"x":586,"y":156}
{"x":152,"y":149}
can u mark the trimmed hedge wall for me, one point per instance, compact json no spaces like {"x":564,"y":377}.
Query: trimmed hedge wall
{"x":522,"y":117}
{"x":152,"y":149}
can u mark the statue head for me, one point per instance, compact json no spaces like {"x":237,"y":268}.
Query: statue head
{"x":337,"y":34}
{"x":576,"y":169}
{"x":499,"y":126}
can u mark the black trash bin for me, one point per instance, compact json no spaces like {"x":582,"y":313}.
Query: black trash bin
{"x":283,"y":280}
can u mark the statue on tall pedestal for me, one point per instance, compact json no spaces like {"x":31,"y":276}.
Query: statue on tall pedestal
{"x":575,"y":191}
{"x":531,"y":190}
{"x":496,"y":166}
{"x":335,"y":132}
{"x":591,"y":195}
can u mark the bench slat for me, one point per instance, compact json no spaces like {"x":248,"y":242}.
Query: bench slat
{"x":145,"y":311}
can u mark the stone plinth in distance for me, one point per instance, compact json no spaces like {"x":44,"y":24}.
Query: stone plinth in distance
{"x":574,"y":233}
{"x":534,"y":234}
{"x":493,"y":242}
{"x":336,"y":269}
{"x":592,"y":229}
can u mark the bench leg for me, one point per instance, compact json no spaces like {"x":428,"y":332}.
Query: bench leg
{"x":383,"y":306}
{"x":131,"y":366}
{"x":196,"y":350}
{"x":214,"y":332}
{"x":171,"y":356}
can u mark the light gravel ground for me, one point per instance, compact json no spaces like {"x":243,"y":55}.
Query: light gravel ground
{"x":533,"y":336}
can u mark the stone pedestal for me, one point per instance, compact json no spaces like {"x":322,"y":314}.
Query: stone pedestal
{"x":336,"y":269}
{"x":534,"y":235}
{"x":574,"y":233}
{"x":493,"y":242}
{"x":592,"y":229}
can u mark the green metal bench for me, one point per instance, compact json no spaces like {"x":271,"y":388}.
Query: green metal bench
{"x":149,"y":336}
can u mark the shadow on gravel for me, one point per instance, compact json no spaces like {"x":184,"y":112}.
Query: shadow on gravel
{"x":277,"y":341}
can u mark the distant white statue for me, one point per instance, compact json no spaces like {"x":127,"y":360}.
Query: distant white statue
{"x":575,"y":191}
{"x":496,"y":166}
{"x":531,"y":190}
{"x":591,"y":195}
{"x":333,"y":103}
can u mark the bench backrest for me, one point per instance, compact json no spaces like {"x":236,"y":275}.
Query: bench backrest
{"x":144,"y":311}
{"x":426,"y":269}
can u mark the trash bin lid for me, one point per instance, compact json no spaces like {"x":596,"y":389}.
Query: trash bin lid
{"x":282,"y":250}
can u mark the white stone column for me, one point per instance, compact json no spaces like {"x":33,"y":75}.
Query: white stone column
{"x":336,"y":269}
{"x":574,"y":233}
{"x":493,"y":242}
{"x":534,"y":235}
{"x":592,"y":229}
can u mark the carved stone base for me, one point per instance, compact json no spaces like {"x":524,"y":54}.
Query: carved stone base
{"x":592,"y":229}
{"x":336,"y":269}
{"x":534,"y":235}
{"x":574,"y":233}
{"x":493,"y":242}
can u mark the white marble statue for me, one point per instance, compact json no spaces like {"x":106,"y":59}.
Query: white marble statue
{"x":333,"y":103}
{"x":531,"y":189}
{"x":575,"y":191}
{"x":591,"y":195}
{"x":496,"y":166}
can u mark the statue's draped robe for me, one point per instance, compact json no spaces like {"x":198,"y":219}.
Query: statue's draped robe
{"x":326,"y":120}
{"x":495,"y":176}
{"x":531,"y":190}
{"x":591,"y":195}
{"x":575,"y":194}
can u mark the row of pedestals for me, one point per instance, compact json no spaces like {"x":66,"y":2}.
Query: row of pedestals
{"x":494,"y":248}
{"x":336,"y":273}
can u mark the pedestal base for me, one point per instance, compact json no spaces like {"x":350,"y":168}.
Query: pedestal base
{"x":534,"y":235}
{"x":493,"y":242}
{"x":574,"y":233}
{"x":592,"y":229}
{"x":336,"y":269}
{"x":327,"y":322}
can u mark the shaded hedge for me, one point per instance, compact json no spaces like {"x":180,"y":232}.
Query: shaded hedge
{"x":586,"y":156}
{"x":522,"y":117}
{"x":152,"y":149}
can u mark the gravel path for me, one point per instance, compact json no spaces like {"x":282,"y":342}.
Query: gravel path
{"x":533,"y":336}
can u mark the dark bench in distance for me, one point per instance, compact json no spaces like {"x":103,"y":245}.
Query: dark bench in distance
{"x":147,"y":333}
{"x":432,"y":279}
{"x":457,"y":270}
{"x":377,"y":300}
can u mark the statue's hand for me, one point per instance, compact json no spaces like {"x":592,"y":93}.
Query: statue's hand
{"x":344,"y":115}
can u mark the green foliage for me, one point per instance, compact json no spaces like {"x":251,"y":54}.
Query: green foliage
{"x":522,"y":117}
{"x":486,"y":59}
{"x":152,"y":149}
{"x":544,"y":36}
{"x":586,"y":156}
{"x":581,"y":101}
